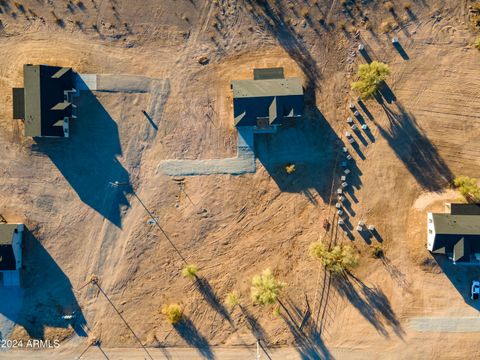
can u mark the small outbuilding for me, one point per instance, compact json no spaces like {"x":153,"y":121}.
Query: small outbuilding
{"x":456,"y":233}
{"x":45,"y":102}
{"x":11,"y":236}
{"x":267,"y":101}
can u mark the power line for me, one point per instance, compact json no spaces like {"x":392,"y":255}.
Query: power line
{"x":95,"y":282}
{"x":117,"y":184}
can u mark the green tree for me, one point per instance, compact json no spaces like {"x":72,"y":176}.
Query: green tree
{"x":468,"y":187}
{"x":265,"y":288}
{"x":173,"y":312}
{"x":190,"y":271}
{"x":370,"y":79}
{"x":338,"y":259}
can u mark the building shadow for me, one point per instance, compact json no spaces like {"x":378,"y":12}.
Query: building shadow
{"x":311,"y":145}
{"x":88,"y":160}
{"x":414,"y":149}
{"x":370,"y":302}
{"x":188,"y":332}
{"x":45,"y":296}
{"x":461,"y":277}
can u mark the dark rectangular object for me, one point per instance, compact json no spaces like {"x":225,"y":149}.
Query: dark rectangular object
{"x":465,"y":209}
{"x":7,"y":258}
{"x":18,"y":103}
{"x":270,"y":73}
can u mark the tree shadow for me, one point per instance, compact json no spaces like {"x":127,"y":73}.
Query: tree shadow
{"x":415,"y":150}
{"x":461,"y":277}
{"x":394,"y":272}
{"x":203,"y":286}
{"x":45,"y":296}
{"x":188,"y":332}
{"x":88,"y":160}
{"x":307,"y":338}
{"x":271,"y":15}
{"x":257,"y":330}
{"x":370,"y":302}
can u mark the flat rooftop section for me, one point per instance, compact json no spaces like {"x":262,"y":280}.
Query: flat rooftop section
{"x":268,"y":73}
{"x":267,"y":87}
{"x":6,"y":233}
{"x":465,"y":209}
{"x":456,"y":224}
{"x":44,"y":88}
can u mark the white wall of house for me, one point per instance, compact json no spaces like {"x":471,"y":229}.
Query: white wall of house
{"x":430,"y":231}
{"x":17,"y":245}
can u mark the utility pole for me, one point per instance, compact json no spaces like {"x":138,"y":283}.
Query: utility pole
{"x":117,"y":184}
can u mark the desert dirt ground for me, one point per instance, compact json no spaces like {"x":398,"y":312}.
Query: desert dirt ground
{"x":426,"y":131}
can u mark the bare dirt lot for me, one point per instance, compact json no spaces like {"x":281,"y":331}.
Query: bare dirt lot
{"x":426,"y":132}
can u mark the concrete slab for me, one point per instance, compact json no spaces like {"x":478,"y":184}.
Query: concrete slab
{"x":445,"y":324}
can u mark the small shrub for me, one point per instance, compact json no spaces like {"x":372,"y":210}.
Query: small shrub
{"x":388,"y":5}
{"x":232,"y":299}
{"x":476,"y":43}
{"x":290,"y":168}
{"x":468,"y":187}
{"x":386,"y":26}
{"x":407,"y":6}
{"x":371,"y":77}
{"x":338,"y":259}
{"x":377,"y":252}
{"x":190,"y":271}
{"x":265,"y":288}
{"x":173,"y":312}
{"x":185,"y":17}
{"x":304,"y":12}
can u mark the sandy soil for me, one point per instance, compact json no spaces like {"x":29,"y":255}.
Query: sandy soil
{"x":232,"y":227}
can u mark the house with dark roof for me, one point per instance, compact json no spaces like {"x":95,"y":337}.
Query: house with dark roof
{"x":45,"y":101}
{"x":267,"y":101}
{"x":456,"y":233}
{"x":11,"y":236}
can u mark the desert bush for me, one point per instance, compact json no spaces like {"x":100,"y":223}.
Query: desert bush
{"x":190,"y":271}
{"x":290,"y":168}
{"x":338,"y":259}
{"x":304,"y":12}
{"x":232,"y":299}
{"x":265,"y":288}
{"x":476,"y":43}
{"x":407,"y":6}
{"x":388,"y":5}
{"x":371,"y":77}
{"x":386,"y":26}
{"x":468,"y":187}
{"x":377,"y":251}
{"x":173,"y":312}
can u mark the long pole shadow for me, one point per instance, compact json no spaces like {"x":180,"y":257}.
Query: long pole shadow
{"x":401,"y":50}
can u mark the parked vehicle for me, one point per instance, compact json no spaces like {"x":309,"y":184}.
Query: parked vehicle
{"x":475,"y":291}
